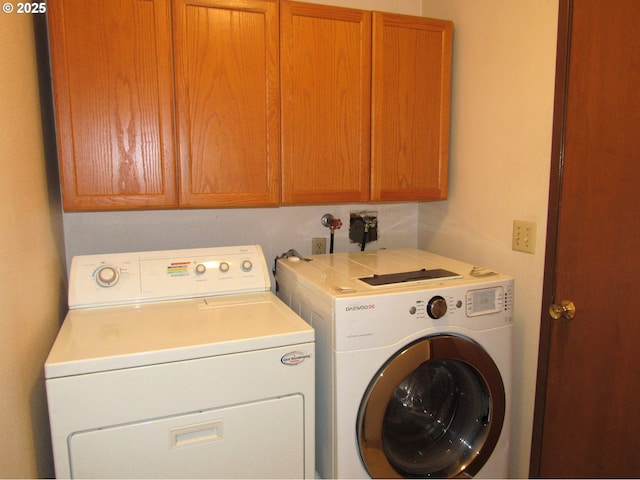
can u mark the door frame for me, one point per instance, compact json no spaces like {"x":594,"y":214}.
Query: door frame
{"x":563,"y":51}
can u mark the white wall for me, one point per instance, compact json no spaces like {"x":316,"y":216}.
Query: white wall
{"x":503,"y":88}
{"x":275,"y":229}
{"x":32,"y":273}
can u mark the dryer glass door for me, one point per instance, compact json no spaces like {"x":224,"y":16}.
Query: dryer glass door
{"x":435,"y":408}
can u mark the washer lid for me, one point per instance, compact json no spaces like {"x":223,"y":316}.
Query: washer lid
{"x":377,"y":272}
{"x":109,"y":338}
{"x":410,"y":276}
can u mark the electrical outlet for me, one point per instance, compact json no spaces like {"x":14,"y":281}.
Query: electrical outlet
{"x":318,"y":245}
{"x":524,"y":236}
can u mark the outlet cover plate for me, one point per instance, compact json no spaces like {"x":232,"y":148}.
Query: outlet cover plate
{"x":318,"y":245}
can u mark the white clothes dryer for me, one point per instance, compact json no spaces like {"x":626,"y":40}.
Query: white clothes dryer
{"x":414,"y":354}
{"x":180,"y":364}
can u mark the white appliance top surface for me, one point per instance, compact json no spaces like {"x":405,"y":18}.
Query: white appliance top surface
{"x":339,"y":275}
{"x":125,"y":336}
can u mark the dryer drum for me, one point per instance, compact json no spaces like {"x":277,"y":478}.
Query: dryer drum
{"x":434,"y":409}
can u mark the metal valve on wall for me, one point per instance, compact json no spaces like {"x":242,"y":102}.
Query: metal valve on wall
{"x":333,"y":224}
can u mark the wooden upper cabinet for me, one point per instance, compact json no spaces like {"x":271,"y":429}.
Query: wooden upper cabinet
{"x":220,"y":103}
{"x":365,"y":105}
{"x":113,"y":92}
{"x":227,"y":110}
{"x":325,"y":103}
{"x":410,"y":108}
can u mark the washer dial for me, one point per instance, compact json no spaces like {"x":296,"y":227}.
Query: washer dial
{"x":437,"y":307}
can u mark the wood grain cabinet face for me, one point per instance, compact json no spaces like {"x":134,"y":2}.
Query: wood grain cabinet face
{"x":326,"y":103}
{"x":188,"y":103}
{"x":410,"y":107}
{"x":115,"y":102}
{"x":113,"y":93}
{"x":365,"y":105}
{"x":227,"y":94}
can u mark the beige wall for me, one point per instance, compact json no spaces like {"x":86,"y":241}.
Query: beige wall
{"x":502,"y":109}
{"x":30,"y":272}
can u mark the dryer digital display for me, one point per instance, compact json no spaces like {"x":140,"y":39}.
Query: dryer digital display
{"x":485,"y":301}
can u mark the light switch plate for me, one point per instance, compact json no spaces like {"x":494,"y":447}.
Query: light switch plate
{"x":524,"y":236}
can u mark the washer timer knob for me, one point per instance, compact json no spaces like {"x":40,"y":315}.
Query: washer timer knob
{"x":247,"y":265}
{"x":437,"y":307}
{"x":107,"y":276}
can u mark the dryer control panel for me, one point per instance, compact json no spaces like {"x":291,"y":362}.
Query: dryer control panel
{"x":136,"y":277}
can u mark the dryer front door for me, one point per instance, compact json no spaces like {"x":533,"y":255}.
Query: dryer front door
{"x":435,"y":409}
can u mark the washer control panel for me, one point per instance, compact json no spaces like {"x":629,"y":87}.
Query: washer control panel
{"x":485,"y":301}
{"x":119,"y":278}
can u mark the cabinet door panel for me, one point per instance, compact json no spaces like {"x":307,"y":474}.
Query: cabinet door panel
{"x":411,"y":107}
{"x":326,"y":103}
{"x":226,"y":55}
{"x":113,"y":92}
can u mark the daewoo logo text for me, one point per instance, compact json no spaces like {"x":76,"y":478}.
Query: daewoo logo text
{"x":371,"y":306}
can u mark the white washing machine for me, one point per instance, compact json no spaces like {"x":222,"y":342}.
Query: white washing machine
{"x":413,"y":355}
{"x":180,"y":364}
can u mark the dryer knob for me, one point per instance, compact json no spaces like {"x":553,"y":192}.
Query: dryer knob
{"x":107,"y":276}
{"x":246,"y":266}
{"x":437,"y":307}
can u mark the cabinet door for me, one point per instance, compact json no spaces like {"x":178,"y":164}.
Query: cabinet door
{"x":113,"y":94}
{"x":411,"y":107}
{"x":226,"y":56}
{"x":326,"y":103}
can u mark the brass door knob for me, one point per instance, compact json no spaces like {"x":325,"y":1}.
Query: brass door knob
{"x":566,"y":309}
